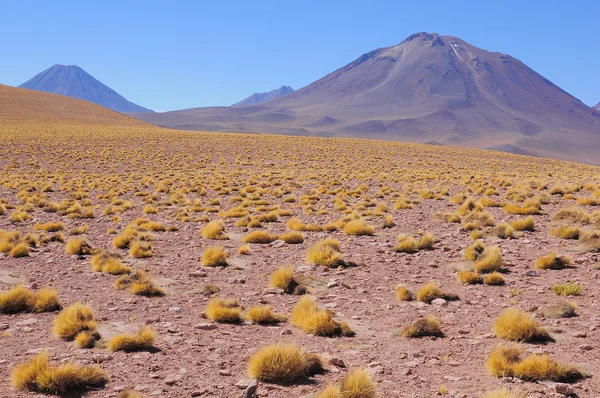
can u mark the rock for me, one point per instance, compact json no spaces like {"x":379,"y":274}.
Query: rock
{"x":206,"y":326}
{"x":172,"y":379}
{"x":27,"y":322}
{"x":411,"y":364}
{"x":580,"y":334}
{"x":439,"y":302}
{"x":586,"y":348}
{"x":250,"y":391}
{"x":332,"y":284}
{"x":225,"y":372}
{"x":237,"y":279}
{"x":532,"y":273}
{"x":337,"y":362}
{"x":278,"y":243}
{"x":175,"y":309}
{"x":198,"y":274}
{"x":244,"y":383}
{"x":4,"y":326}
{"x":285,"y":332}
{"x":564,"y":389}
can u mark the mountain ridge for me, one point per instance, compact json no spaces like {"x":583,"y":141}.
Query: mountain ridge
{"x":73,"y":81}
{"x":258,"y":98}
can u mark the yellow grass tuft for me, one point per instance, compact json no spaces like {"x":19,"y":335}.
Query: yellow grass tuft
{"x":489,"y":261}
{"x":38,"y":375}
{"x":78,"y":247}
{"x":307,"y":316}
{"x":426,"y":242}
{"x":134,"y":394}
{"x":494,"y":279}
{"x":552,"y":261}
{"x":325,"y":252}
{"x":406,"y":244}
{"x":428,"y":326}
{"x":292,"y":237}
{"x":244,"y":250}
{"x":139,"y":249}
{"x":567,"y":289}
{"x":469,"y":277}
{"x":283,"y":278}
{"x":358,"y":384}
{"x":260,"y":236}
{"x":49,"y":227}
{"x":513,"y":324}
{"x":403,"y":294}
{"x":140,"y":284}
{"x":21,"y":249}
{"x":358,"y":227}
{"x":524,"y":224}
{"x":224,"y":310}
{"x":20,"y":299}
{"x":214,"y":230}
{"x":142,"y":340}
{"x":502,"y":393}
{"x":86,"y":339}
{"x":75,"y":318}
{"x":431,"y":291}
{"x":278,"y":364}
{"x":214,"y":256}
{"x":264,"y":315}
{"x":565,"y":231}
{"x":475,"y":250}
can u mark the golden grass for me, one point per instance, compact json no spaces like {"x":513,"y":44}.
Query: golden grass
{"x":567,"y":289}
{"x":406,"y":244}
{"x":357,"y":384}
{"x":552,"y":261}
{"x":142,"y":340}
{"x":292,"y":237}
{"x":494,"y":279}
{"x":224,"y":310}
{"x":21,"y":249}
{"x":572,"y":214}
{"x":431,"y":291}
{"x":214,"y":256}
{"x":244,"y":250}
{"x":358,"y":227}
{"x":426,"y":242}
{"x":524,"y":224}
{"x":140,"y":284}
{"x":428,"y":326}
{"x":565,"y":231}
{"x":325,"y":252}
{"x":38,"y":375}
{"x":503,"y":393}
{"x":260,"y":236}
{"x":132,"y":394}
{"x":139,"y":249}
{"x":469,"y":277}
{"x":73,"y":319}
{"x":78,"y":247}
{"x":307,"y":316}
{"x":283,"y":278}
{"x":278,"y":364}
{"x":264,"y":315}
{"x":214,"y":230}
{"x":489,"y":261}
{"x":473,"y":251}
{"x":20,"y":299}
{"x":516,"y":325}
{"x":403,"y":294}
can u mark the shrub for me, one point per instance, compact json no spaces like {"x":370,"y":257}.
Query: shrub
{"x":142,"y":340}
{"x":388,"y":222}
{"x":224,"y":310}
{"x":525,"y":224}
{"x":261,"y":236}
{"x":406,"y":244}
{"x":263,"y":315}
{"x":542,"y":367}
{"x":503,"y":231}
{"x":75,"y":318}
{"x":325,"y":252}
{"x":86,"y":339}
{"x":475,"y":250}
{"x":244,"y":249}
{"x":139,"y":249}
{"x":469,"y":277}
{"x":403,"y":294}
{"x":426,"y":242}
{"x":358,"y":227}
{"x":513,"y":324}
{"x":428,"y":326}
{"x":21,"y":249}
{"x":358,"y":384}
{"x":79,"y":247}
{"x":214,"y":230}
{"x":39,"y":375}
{"x":564,"y":231}
{"x":292,"y":237}
{"x":283,"y":278}
{"x":501,"y":360}
{"x":573,"y":214}
{"x":49,"y":227}
{"x":567,"y":289}
{"x":109,"y":263}
{"x":214,"y":256}
{"x":552,"y":261}
{"x":307,"y":316}
{"x":20,"y":299}
{"x":431,"y":291}
{"x":562,"y":309}
{"x":494,"y":279}
{"x":278,"y":364}
{"x":140,"y":284}
{"x":489,"y":261}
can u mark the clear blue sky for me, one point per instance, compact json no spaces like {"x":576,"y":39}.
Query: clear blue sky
{"x":200,"y":53}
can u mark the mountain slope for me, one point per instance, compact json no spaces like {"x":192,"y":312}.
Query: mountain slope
{"x":72,"y":81}
{"x":597,"y":107}
{"x":257,"y":98}
{"x":427,"y":88}
{"x":23,"y":106}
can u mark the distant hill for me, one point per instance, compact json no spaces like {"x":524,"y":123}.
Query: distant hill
{"x":19,"y":105}
{"x":597,"y":107}
{"x":427,"y":88}
{"x":73,"y":81}
{"x":257,"y":98}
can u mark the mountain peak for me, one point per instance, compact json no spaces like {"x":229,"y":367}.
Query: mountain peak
{"x":73,"y":81}
{"x":258,"y":98}
{"x":425,"y":37}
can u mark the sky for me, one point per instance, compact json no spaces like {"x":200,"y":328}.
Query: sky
{"x":183,"y":54}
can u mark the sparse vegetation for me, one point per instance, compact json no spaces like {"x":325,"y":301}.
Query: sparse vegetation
{"x":224,"y":310}
{"x":142,"y":340}
{"x":428,"y":326}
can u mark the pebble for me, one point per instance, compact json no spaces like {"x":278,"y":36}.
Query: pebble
{"x":4,"y":326}
{"x":225,"y":372}
{"x":439,"y":302}
{"x":564,"y":389}
{"x":250,"y":391}
{"x":532,"y":273}
{"x":285,"y":332}
{"x":175,"y":309}
{"x":172,"y":379}
{"x":580,"y":334}
{"x":206,"y":326}
{"x":244,"y":383}
{"x":332,"y":284}
{"x":27,"y":322}
{"x":337,"y":362}
{"x":198,"y":274}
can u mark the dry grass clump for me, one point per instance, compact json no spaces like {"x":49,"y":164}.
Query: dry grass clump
{"x":78,"y":230}
{"x":489,"y":261}
{"x":356,"y":384}
{"x":428,"y":326}
{"x":78,"y":247}
{"x":552,"y":261}
{"x":404,"y":294}
{"x":214,"y":256}
{"x":513,"y":324}
{"x":567,"y":289}
{"x":283,"y":278}
{"x":297,"y":225}
{"x":325,"y":252}
{"x":49,"y":227}
{"x":524,"y":224}
{"x":572,"y":214}
{"x":139,"y":249}
{"x":73,"y":320}
{"x":307,"y":316}
{"x":358,"y":227}
{"x":280,"y":364}
{"x":565,"y":231}
{"x":528,"y":207}
{"x":244,"y":250}
{"x":261,"y":236}
{"x":406,"y":244}
{"x":214,"y":230}
{"x":20,"y":299}
{"x":109,"y":263}
{"x":561,"y":309}
{"x":142,"y":340}
{"x":494,"y":279}
{"x":21,"y":249}
{"x":503,"y":393}
{"x":469,"y":277}
{"x":132,"y":394}
{"x":292,"y":237}
{"x":431,"y":291}
{"x":38,"y":375}
{"x":507,"y":362}
{"x":140,"y":284}
{"x":475,"y":250}
{"x":264,"y":315}
{"x":503,"y":231}
{"x":224,"y":310}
